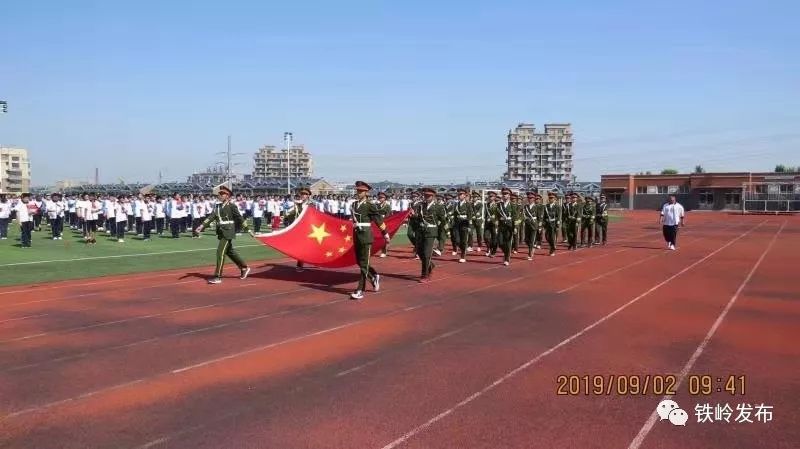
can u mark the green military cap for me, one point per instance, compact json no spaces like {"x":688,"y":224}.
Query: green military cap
{"x":475,"y":193}
{"x":531,"y":194}
{"x":382,"y":195}
{"x":492,"y":193}
{"x":304,"y":191}
{"x":505,"y":189}
{"x":551,"y":194}
{"x":428,"y":191}
{"x":602,"y":196}
{"x":414,"y":193}
{"x":362,"y":186}
{"x":462,"y":190}
{"x":225,"y":189}
{"x":588,"y":198}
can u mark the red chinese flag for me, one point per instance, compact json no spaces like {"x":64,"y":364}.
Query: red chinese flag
{"x":323,"y":240}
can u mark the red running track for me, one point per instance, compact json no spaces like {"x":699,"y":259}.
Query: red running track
{"x":284,"y":360}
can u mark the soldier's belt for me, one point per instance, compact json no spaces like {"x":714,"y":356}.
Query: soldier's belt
{"x":464,"y":217}
{"x":362,"y":225}
{"x":431,"y":226}
{"x":225,"y":222}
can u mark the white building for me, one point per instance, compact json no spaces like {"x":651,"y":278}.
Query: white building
{"x":271,"y":162}
{"x":539,"y":157}
{"x":15,"y":170}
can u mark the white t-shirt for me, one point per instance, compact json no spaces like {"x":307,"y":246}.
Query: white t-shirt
{"x":121,"y":212}
{"x":54,"y":209}
{"x":258,"y":208}
{"x":93,"y":210}
{"x":5,"y":209}
{"x":22,"y":212}
{"x":198,"y":210}
{"x":178,"y":209}
{"x":159,"y":209}
{"x":672,"y":213}
{"x":81,"y":206}
{"x":110,"y":209}
{"x":147,"y":211}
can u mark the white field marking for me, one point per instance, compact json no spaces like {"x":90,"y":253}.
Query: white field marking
{"x":648,"y":425}
{"x":260,"y":348}
{"x":359,"y":367}
{"x":413,"y":432}
{"x":118,"y":256}
{"x":23,"y":318}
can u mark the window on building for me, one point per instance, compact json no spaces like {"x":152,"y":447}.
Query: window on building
{"x":761,"y":188}
{"x":15,"y":158}
{"x":706,"y":198}
{"x":14,"y":165}
{"x":663,"y":189}
{"x":787,"y":188}
{"x":683,"y":189}
{"x":641,"y":190}
{"x":733,"y":198}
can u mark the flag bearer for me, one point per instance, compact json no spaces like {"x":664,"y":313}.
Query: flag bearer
{"x":226,"y":216}
{"x":294,"y":211}
{"x":363,"y":213}
{"x":462,"y":217}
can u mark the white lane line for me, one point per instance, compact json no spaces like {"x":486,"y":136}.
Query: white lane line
{"x":421,"y":428}
{"x":648,"y":425}
{"x":24,"y":318}
{"x":359,"y":367}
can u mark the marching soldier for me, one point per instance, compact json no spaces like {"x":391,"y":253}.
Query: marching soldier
{"x":227,"y":218}
{"x":462,"y":217}
{"x":505,"y":214}
{"x":294,"y":211}
{"x":587,"y":222}
{"x":444,"y":227}
{"x":363,"y":213}
{"x":413,"y":224}
{"x":491,"y":225}
{"x":572,"y":221}
{"x":519,"y":225}
{"x":531,"y":219}
{"x":601,"y":221}
{"x":564,"y":206}
{"x":552,"y":221}
{"x":540,"y":222}
{"x":430,"y":215}
{"x":384,"y":210}
{"x":478,"y":216}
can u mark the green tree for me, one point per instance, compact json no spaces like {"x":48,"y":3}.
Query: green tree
{"x":780,"y":168}
{"x":669,"y":171}
{"x":699,"y":169}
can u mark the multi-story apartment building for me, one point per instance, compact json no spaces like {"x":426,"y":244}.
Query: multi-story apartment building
{"x":15,"y":170}
{"x":271,"y":162}
{"x":539,"y":157}
{"x":211,"y":176}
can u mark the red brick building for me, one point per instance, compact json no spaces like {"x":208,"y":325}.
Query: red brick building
{"x":704,"y":191}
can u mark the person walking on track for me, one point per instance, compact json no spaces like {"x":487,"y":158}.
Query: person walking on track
{"x":672,"y":216}
{"x":363,"y":213}
{"x":227,"y":218}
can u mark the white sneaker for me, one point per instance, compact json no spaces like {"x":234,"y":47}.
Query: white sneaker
{"x":376,"y":282}
{"x":383,"y":255}
{"x":488,"y":253}
{"x":121,"y":240}
{"x":669,"y":245}
{"x":437,"y":252}
{"x":530,"y":258}
{"x":245,"y":272}
{"x":515,"y":252}
{"x":462,"y":260}
{"x":672,"y":247}
{"x":454,"y":253}
{"x":358,"y":294}
{"x":505,"y":263}
{"x":469,"y":249}
{"x":215,"y":281}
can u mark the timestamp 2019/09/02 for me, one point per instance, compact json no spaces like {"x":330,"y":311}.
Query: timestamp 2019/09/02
{"x":648,"y":384}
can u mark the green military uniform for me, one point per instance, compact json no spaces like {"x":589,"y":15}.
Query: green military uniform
{"x":563,"y":226}
{"x":491,"y":225}
{"x":478,"y":217}
{"x":462,"y":217}
{"x":552,"y":221}
{"x":384,"y":210}
{"x":572,"y":221}
{"x":537,"y":241}
{"x":445,"y":227}
{"x":519,"y":225}
{"x":363,"y":213}
{"x":431,"y":215}
{"x":506,"y":217}
{"x":413,"y":223}
{"x":227,"y":218}
{"x":531,"y":220}
{"x":294,"y":212}
{"x":587,"y":222}
{"x":601,"y":221}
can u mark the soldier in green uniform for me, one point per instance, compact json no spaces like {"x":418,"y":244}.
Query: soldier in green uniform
{"x":572,"y":221}
{"x":430,"y":214}
{"x":505,"y":214}
{"x":294,"y":212}
{"x":517,"y":223}
{"x":478,"y":217}
{"x":226,"y":216}
{"x":552,"y":221}
{"x":564,"y":203}
{"x":530,"y":217}
{"x":413,"y":223}
{"x":539,"y":224}
{"x":491,"y":225}
{"x":462,"y":218}
{"x":587,"y":222}
{"x":448,"y":225}
{"x":363,"y":213}
{"x":384,"y":209}
{"x":601,"y":221}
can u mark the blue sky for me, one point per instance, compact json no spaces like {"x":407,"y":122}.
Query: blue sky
{"x":398,"y":90}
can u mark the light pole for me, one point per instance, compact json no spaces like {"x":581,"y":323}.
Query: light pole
{"x":287,"y":141}
{"x":229,"y":161}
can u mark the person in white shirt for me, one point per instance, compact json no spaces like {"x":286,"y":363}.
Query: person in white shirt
{"x":148,"y":210}
{"x":138,"y":205}
{"x":160,"y":214}
{"x":80,"y":210}
{"x":91,"y":214}
{"x":25,"y":220}
{"x":198,"y":215}
{"x":121,"y":218}
{"x":5,"y":216}
{"x":259,"y":208}
{"x":672,"y":216}
{"x":73,"y":216}
{"x":55,"y":212}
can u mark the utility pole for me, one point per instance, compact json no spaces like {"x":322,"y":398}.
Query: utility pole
{"x":229,"y":164}
{"x":287,"y":140}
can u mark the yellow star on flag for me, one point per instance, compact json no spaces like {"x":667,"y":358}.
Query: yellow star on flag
{"x":329,"y":254}
{"x":341,"y":250}
{"x":343,"y":228}
{"x":318,"y":233}
{"x":347,"y":238}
